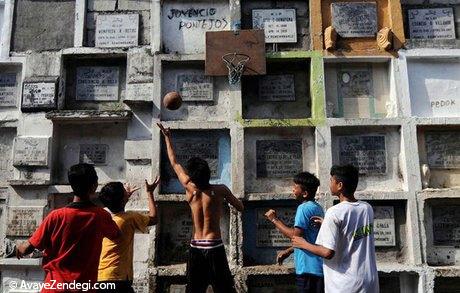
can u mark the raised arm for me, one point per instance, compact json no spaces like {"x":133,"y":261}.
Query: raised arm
{"x":152,"y":206}
{"x":180,"y":171}
{"x":232,"y":200}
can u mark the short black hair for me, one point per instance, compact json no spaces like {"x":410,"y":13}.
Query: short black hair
{"x":111,"y":195}
{"x":199,"y":172}
{"x":308,"y":182}
{"x":348,"y":175}
{"x":82,"y":179}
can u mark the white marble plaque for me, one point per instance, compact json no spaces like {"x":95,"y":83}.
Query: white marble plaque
{"x":195,"y":87}
{"x":443,"y":149}
{"x":8,"y":89}
{"x":446,"y":225}
{"x":23,"y":221}
{"x":39,"y":95}
{"x":31,"y":151}
{"x":267,"y":234}
{"x":95,"y":154}
{"x":279,"y":25}
{"x":367,"y":152}
{"x":432,"y":23}
{"x":354,"y":19}
{"x":97,"y":83}
{"x":277,"y":88}
{"x":117,"y":30}
{"x":384,"y":226}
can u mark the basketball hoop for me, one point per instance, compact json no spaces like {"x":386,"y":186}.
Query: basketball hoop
{"x":235,"y":63}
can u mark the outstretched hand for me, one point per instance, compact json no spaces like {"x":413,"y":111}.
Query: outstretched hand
{"x":130,"y":189}
{"x":151,"y":187}
{"x":165,"y":131}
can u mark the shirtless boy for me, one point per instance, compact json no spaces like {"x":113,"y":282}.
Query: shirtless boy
{"x":207,"y":262}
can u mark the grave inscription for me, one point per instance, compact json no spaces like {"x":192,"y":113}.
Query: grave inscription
{"x":23,"y":221}
{"x":31,"y":151}
{"x":8,"y":91}
{"x":355,"y":90}
{"x":432,"y":23}
{"x":95,"y":83}
{"x":279,"y":24}
{"x":354,"y":19}
{"x":368,"y":152}
{"x":95,"y":154}
{"x":195,"y":87}
{"x":117,"y":30}
{"x":39,"y":95}
{"x":384,"y":226}
{"x":277,"y":88}
{"x":446,"y":225}
{"x":443,"y":149}
{"x":278,"y":158}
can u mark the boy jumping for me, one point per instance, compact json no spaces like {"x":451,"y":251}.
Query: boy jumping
{"x":71,"y":237}
{"x":346,"y":238}
{"x":308,"y":267}
{"x":116,"y":262}
{"x":207,"y":262}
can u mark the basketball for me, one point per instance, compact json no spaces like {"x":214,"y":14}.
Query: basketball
{"x":172,"y":101}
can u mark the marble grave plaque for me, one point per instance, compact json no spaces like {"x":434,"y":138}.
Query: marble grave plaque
{"x":31,"y":151}
{"x":443,"y":149}
{"x":354,"y":19}
{"x":279,"y":24}
{"x":267,"y":234}
{"x":23,"y":221}
{"x":446,"y":225}
{"x":277,"y":88}
{"x":368,"y":152}
{"x":432,"y":23}
{"x":278,"y":158}
{"x":355,"y":91}
{"x":8,"y":89}
{"x":384,"y":226}
{"x":97,"y":83}
{"x":195,"y":87}
{"x":117,"y":30}
{"x":95,"y":154}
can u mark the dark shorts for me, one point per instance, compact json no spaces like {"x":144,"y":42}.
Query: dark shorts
{"x":120,"y":286}
{"x":308,"y":283}
{"x":209,"y":267}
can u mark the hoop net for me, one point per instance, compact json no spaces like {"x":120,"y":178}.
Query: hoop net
{"x":235,"y":63}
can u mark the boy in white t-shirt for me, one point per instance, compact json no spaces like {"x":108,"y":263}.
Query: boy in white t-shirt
{"x":346,"y":238}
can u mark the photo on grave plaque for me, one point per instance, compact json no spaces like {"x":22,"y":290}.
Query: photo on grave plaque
{"x":355,"y":92}
{"x":366,"y":152}
{"x":23,"y":221}
{"x":277,"y":88}
{"x":39,"y":95}
{"x":384,"y":226}
{"x":117,"y":30}
{"x":8,"y":89}
{"x":267,"y":234}
{"x":95,"y":154}
{"x":446,"y":225}
{"x":195,"y":87}
{"x":432,"y":23}
{"x":206,"y":149}
{"x":443,"y":149}
{"x":97,"y":83}
{"x":278,"y":158}
{"x":355,"y":19}
{"x":279,"y":25}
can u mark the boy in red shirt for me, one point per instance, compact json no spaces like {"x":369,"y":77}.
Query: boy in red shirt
{"x":71,"y":237}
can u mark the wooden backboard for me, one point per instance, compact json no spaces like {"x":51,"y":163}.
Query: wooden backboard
{"x":248,"y":42}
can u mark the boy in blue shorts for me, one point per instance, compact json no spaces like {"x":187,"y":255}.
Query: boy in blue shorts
{"x":309,"y":267}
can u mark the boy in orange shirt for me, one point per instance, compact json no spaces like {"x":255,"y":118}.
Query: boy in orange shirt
{"x":116,"y":262}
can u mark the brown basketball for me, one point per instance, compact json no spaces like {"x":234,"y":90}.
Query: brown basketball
{"x":172,"y":100}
